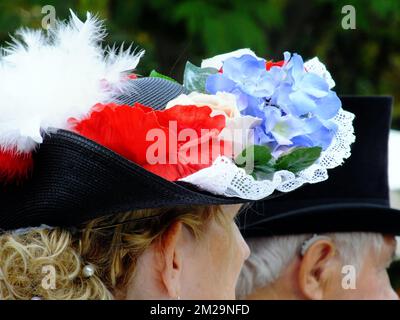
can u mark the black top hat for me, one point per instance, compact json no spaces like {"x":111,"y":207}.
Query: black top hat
{"x":75,"y":179}
{"x":354,"y":198}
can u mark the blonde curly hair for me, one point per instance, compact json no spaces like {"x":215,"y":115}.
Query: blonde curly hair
{"x":111,"y":244}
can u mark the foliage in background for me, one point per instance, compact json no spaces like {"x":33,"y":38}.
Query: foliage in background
{"x":362,"y":61}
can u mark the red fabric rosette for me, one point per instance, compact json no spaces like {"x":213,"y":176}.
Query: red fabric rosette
{"x":171,"y":143}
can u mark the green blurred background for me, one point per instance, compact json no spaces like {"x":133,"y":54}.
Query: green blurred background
{"x":365,"y":60}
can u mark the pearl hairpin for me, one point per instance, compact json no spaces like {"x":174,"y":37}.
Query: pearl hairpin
{"x":88,"y":271}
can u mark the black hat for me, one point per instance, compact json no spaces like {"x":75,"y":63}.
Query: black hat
{"x":354,"y":198}
{"x":75,"y":179}
{"x":80,"y":150}
{"x":52,"y":173}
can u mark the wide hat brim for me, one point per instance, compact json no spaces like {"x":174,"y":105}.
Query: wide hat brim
{"x":333,"y":217}
{"x":74,"y":179}
{"x":355,"y":198}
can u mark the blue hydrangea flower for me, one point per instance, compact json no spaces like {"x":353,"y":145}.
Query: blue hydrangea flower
{"x":302,"y":92}
{"x":296,"y":106}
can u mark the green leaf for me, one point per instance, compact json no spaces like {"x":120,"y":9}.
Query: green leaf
{"x":194,"y":78}
{"x":156,"y":74}
{"x":263,"y":172}
{"x":256,"y":160}
{"x":259,"y":155}
{"x":299,"y":159}
{"x":265,"y":169}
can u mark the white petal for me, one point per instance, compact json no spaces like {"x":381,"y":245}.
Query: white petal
{"x":240,"y":132}
{"x":216,"y":62}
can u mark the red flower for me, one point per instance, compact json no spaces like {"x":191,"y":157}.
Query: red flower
{"x":171,"y":143}
{"x":269,"y":64}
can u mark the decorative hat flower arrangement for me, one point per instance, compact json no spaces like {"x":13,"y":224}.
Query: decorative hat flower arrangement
{"x":298,"y":127}
{"x":246,"y":128}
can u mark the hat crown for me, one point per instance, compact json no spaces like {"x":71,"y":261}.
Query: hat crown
{"x":362,"y":181}
{"x":364,"y":176}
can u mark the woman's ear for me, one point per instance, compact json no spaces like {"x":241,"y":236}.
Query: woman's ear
{"x":172,"y":256}
{"x":316,"y":269}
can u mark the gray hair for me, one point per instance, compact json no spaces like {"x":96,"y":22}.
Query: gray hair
{"x":270,"y":256}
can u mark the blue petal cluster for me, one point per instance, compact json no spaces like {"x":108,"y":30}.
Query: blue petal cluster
{"x":296,"y":106}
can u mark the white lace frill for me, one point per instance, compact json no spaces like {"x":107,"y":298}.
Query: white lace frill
{"x":224,"y":178}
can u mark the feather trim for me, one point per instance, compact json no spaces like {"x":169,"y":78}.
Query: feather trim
{"x":46,"y":78}
{"x":14,"y":166}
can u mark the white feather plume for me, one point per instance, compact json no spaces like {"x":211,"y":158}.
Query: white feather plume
{"x":46,"y":78}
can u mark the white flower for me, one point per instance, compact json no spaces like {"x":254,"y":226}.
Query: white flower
{"x":217,"y":61}
{"x":221,"y":103}
{"x":239,"y":130}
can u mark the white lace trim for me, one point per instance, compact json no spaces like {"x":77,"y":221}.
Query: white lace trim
{"x":223,"y":177}
{"x":317,"y":67}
